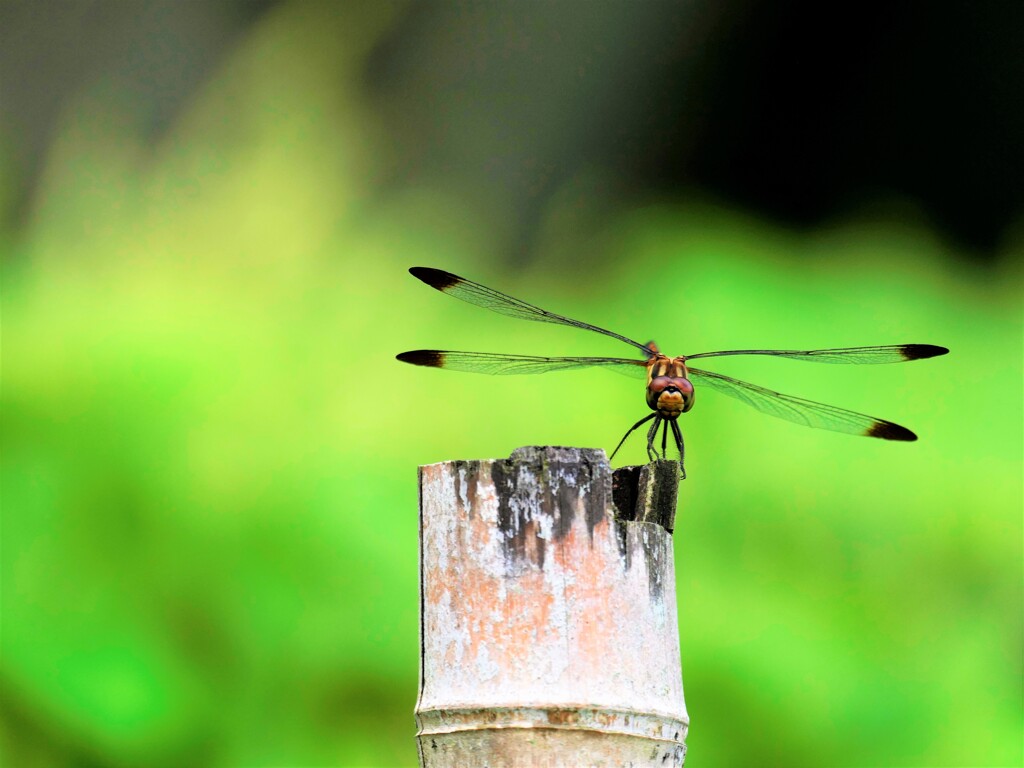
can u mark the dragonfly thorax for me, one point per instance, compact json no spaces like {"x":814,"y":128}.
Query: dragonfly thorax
{"x":669,"y":391}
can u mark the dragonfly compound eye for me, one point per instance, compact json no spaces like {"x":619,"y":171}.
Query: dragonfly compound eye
{"x":688,"y":397}
{"x":669,"y":395}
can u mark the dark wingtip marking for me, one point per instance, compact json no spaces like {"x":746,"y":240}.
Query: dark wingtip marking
{"x":429,"y":357}
{"x":922,"y":351}
{"x":889,"y":431}
{"x":435,"y":278}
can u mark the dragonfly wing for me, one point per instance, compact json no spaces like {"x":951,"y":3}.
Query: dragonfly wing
{"x":800,"y":411}
{"x":896,"y":353}
{"x":498,"y":364}
{"x":488,"y":298}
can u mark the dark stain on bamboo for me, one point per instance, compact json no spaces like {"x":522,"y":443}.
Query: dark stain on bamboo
{"x":514,"y":516}
{"x":647,"y":493}
{"x":657,"y":493}
{"x":625,"y":481}
{"x":537,"y":483}
{"x":555,"y":481}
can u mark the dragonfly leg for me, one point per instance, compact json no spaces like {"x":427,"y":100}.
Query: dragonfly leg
{"x":630,"y":432}
{"x":664,"y":439}
{"x":652,"y":434}
{"x":679,"y":444}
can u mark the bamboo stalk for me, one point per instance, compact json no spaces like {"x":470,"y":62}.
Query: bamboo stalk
{"x":548,"y":623}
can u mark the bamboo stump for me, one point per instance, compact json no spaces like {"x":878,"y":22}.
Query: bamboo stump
{"x":548,"y":613}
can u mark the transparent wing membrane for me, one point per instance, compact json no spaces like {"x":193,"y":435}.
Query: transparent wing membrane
{"x":499,"y":364}
{"x":488,"y":298}
{"x":896,"y":353}
{"x":800,"y":411}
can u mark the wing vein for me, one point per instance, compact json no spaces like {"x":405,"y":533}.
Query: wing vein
{"x":488,"y":298}
{"x":800,"y":411}
{"x":497,"y":364}
{"x":894,"y":353}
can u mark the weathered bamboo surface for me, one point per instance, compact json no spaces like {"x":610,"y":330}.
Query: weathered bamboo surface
{"x":548,"y":613}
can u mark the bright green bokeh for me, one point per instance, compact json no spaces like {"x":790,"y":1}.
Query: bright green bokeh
{"x":209,"y":452}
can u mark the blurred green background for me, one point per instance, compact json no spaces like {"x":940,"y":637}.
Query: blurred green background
{"x":209,"y":452}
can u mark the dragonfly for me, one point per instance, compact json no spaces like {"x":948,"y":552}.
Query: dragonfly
{"x":670,"y":380}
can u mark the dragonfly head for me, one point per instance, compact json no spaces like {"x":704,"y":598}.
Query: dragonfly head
{"x":669,"y":392}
